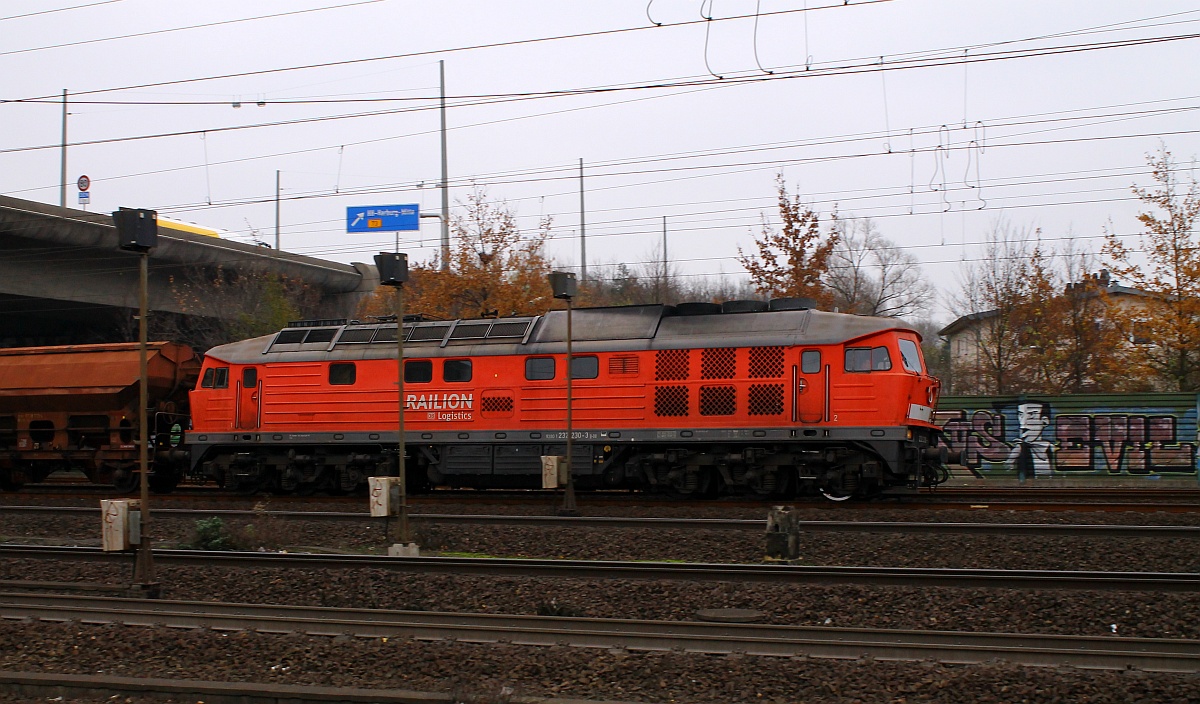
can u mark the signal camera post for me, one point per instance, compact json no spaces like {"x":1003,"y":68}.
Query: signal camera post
{"x":393,"y":271}
{"x":563,"y":286}
{"x":137,"y":231}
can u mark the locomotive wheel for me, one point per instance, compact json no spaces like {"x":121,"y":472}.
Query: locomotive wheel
{"x":834,"y":495}
{"x":700,"y":485}
{"x":780,"y":485}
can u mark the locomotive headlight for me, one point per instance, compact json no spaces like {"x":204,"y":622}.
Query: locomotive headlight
{"x":910,"y":433}
{"x":608,"y":448}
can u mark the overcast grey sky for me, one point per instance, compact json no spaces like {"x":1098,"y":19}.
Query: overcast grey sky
{"x":936,"y":118}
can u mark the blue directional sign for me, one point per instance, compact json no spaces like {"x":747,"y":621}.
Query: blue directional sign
{"x":383,"y":218}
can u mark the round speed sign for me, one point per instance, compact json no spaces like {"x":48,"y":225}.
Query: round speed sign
{"x":84,"y":183}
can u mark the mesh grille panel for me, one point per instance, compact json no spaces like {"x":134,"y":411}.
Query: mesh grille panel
{"x":430,"y":332}
{"x":509,"y":329}
{"x":470,"y":331}
{"x":766,"y":362}
{"x":766,"y":399}
{"x":671,"y":365}
{"x":718,"y":363}
{"x":497,"y":404}
{"x":290,"y":337}
{"x":670,"y":401}
{"x":718,"y":400}
{"x":357,"y":335}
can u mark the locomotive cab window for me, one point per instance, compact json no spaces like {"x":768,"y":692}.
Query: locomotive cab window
{"x":418,"y":371}
{"x":215,"y":378}
{"x":868,"y":359}
{"x":341,"y":373}
{"x":881,"y":360}
{"x":909,"y":356}
{"x":249,"y":377}
{"x":810,"y":361}
{"x":539,"y":368}
{"x":585,"y":367}
{"x":456,"y":370}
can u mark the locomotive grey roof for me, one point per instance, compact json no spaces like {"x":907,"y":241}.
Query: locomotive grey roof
{"x":644,"y":327}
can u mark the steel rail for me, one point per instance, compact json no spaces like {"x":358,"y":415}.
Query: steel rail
{"x":691,"y":524}
{"x":1158,"y":654}
{"x":691,"y":572}
{"x":53,"y":686}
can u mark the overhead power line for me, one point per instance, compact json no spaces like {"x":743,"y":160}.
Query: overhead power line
{"x":205,"y":25}
{"x":473,"y":47}
{"x":58,"y":9}
{"x":471,"y":101}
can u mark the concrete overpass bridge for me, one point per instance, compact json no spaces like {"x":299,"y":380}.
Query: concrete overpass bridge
{"x":64,"y":281}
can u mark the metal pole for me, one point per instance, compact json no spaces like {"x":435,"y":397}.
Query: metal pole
{"x":400,"y":449}
{"x":144,"y":567}
{"x":582,"y":235}
{"x":445,"y":177}
{"x":276,"y":210}
{"x":62,"y":186}
{"x":663,"y":298}
{"x":568,"y":507}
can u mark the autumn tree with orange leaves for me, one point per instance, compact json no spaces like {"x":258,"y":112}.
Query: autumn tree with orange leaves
{"x":792,"y":261}
{"x":495,"y":269}
{"x":1167,"y":327}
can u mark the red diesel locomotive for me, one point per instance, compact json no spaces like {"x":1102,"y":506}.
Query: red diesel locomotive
{"x":695,"y":399}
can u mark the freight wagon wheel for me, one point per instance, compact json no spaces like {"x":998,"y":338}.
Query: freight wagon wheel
{"x":125,"y":481}
{"x":12,"y":479}
{"x":164,"y":482}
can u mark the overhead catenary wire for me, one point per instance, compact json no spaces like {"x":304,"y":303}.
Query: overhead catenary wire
{"x":472,"y":101}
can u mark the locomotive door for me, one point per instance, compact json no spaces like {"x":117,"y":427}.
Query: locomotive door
{"x":810,"y":388}
{"x":249,"y":397}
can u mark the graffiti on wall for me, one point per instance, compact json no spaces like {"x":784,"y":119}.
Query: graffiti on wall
{"x":1029,"y":438}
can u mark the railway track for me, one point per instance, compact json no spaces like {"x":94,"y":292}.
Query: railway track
{"x":1035,"y":529}
{"x":1176,"y":499}
{"x":1159,"y":654}
{"x":691,"y":572}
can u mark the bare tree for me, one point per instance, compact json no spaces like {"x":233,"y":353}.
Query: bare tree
{"x":869,"y":275}
{"x":221,"y":305}
{"x":990,"y":301}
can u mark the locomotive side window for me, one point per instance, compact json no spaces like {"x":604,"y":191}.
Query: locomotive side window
{"x":868,"y":359}
{"x":909,"y":356}
{"x":881,"y":361}
{"x":249,"y":377}
{"x":858,"y":359}
{"x":221,"y":378}
{"x":539,"y":368}
{"x":207,"y":381}
{"x":341,"y":373}
{"x":418,"y":371}
{"x":586,"y":367}
{"x":810,"y":361}
{"x":456,"y":370}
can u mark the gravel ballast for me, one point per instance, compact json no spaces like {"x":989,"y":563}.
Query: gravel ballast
{"x":483,"y":670}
